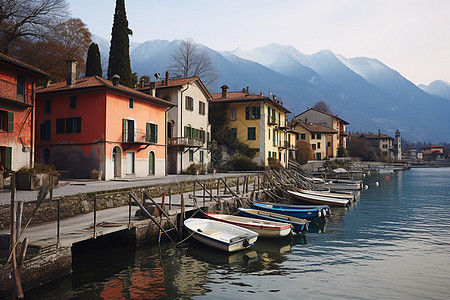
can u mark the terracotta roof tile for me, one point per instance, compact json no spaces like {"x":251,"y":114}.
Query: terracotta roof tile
{"x":316,"y":128}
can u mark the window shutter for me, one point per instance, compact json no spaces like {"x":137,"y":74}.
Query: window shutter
{"x":124,"y":130}
{"x":247,"y":113}
{"x":8,"y":158}
{"x":147,"y":132}
{"x":156,"y":133}
{"x":10,"y":121}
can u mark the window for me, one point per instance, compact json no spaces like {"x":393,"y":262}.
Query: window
{"x":252,"y":113}
{"x":130,"y":103}
{"x":275,"y":135}
{"x":195,"y":133}
{"x":48,"y":106}
{"x":318,"y":145}
{"x":6,"y":121}
{"x":319,"y":136}
{"x":201,"y":135}
{"x":318,"y":156}
{"x":302,"y":136}
{"x":189,"y":103}
{"x":270,"y":153}
{"x":5,"y":157}
{"x":329,"y":144}
{"x":73,"y":125}
{"x":151,"y":135}
{"x":201,"y":108}
{"x":20,"y":87}
{"x":233,"y":114}
{"x":45,"y":130}
{"x":313,"y":136}
{"x":313,"y":146}
{"x":187,"y":131}
{"x":128,"y":130}
{"x":269,"y":134}
{"x":251,"y":133}
{"x":191,"y":155}
{"x":233,"y":134}
{"x":60,"y":125}
{"x":73,"y":102}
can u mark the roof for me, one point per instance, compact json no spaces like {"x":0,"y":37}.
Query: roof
{"x":371,"y":135}
{"x":179,"y":82}
{"x":236,"y":97}
{"x":315,"y":128}
{"x":432,"y":146}
{"x":99,"y":82}
{"x":324,"y":112}
{"x":20,"y":64}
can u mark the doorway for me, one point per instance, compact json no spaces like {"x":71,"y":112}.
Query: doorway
{"x":117,"y":161}
{"x":151,"y":163}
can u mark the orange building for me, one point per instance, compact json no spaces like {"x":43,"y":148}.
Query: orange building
{"x":96,"y":124}
{"x":17,"y":96}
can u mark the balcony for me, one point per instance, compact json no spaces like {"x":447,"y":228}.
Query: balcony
{"x":283,"y":145}
{"x":138,"y":136}
{"x":185,"y":142}
{"x":8,"y":91}
{"x":272,"y":121}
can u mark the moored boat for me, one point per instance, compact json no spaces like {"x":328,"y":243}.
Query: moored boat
{"x":309,"y":212}
{"x":220,"y":235}
{"x":265,"y":228}
{"x":342,"y":184}
{"x":317,"y":199}
{"x":350,"y":197}
{"x":299,"y":225}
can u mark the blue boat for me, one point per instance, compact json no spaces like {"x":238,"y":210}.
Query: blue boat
{"x":298,"y":211}
{"x":299,"y":225}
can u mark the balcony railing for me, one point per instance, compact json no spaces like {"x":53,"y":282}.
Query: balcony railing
{"x":8,"y":91}
{"x":185,"y":141}
{"x":138,"y":136}
{"x":272,"y":121}
{"x":283,"y":144}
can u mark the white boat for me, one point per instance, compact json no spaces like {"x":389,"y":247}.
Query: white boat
{"x":265,"y":228}
{"x":350,"y":197}
{"x":340,"y":184}
{"x":317,"y":199}
{"x":220,"y":235}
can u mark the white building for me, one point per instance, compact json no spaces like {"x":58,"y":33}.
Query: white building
{"x":188,"y":128}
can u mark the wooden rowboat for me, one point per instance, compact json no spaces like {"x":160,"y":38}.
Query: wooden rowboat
{"x":317,"y":199}
{"x":299,"y":225}
{"x":302,"y":212}
{"x":350,"y":197}
{"x":265,"y":228}
{"x":220,"y":235}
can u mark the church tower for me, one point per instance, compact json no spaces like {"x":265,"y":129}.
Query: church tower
{"x":398,"y":146}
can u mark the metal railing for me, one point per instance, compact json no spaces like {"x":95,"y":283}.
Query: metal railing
{"x":138,"y":136}
{"x":185,"y":141}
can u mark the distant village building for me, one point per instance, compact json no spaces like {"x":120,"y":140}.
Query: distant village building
{"x":188,"y":128}
{"x":17,"y":101}
{"x":96,"y":124}
{"x":397,"y":146}
{"x":339,"y":140}
{"x":379,"y":143}
{"x":412,"y":154}
{"x":259,"y":122}
{"x":319,"y":137}
{"x":433,"y":152}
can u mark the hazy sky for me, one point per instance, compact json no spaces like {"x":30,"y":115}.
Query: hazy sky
{"x":410,"y":36}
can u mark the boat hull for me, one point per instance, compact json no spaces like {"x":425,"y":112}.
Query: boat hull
{"x":319,"y":199}
{"x":265,"y":228}
{"x":302,"y":213}
{"x":219,"y":235}
{"x":299,"y":225}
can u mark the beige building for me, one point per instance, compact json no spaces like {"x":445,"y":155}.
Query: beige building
{"x":379,"y":143}
{"x":320,"y":138}
{"x":339,"y":140}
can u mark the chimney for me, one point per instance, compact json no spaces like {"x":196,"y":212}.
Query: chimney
{"x":141,"y":83}
{"x":153,"y":89}
{"x":274,"y":97}
{"x":379,"y":133}
{"x":115,"y":79}
{"x":224,"y":91}
{"x":71,"y":74}
{"x":246,"y":90}
{"x":260,"y":94}
{"x":166,"y":81}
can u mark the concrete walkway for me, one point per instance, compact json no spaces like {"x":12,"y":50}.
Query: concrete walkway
{"x":83,"y":187}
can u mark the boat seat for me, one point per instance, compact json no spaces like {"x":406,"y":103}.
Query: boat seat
{"x":211,"y":232}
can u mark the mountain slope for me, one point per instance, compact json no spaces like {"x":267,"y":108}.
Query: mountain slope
{"x":438,"y":87}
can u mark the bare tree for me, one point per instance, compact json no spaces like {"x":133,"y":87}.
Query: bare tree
{"x":191,"y":60}
{"x":323,"y":106}
{"x":28,"y":18}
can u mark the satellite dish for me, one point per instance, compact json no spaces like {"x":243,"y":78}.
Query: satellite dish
{"x":157,"y":75}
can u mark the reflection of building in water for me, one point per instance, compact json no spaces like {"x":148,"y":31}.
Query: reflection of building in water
{"x":189,"y":277}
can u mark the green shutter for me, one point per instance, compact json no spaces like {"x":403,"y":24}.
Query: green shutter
{"x":10,"y":121}
{"x":186,"y":131}
{"x":124,"y":130}
{"x":8,"y":158}
{"x":156,"y":133}
{"x":147,"y":132}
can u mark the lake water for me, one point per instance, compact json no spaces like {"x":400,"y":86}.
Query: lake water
{"x":394,"y":243}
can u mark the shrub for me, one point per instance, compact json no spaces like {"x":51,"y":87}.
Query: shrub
{"x":242,"y":163}
{"x":38,"y":169}
{"x":194,"y":168}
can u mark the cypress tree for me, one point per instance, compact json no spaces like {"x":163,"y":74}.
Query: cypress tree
{"x":93,"y":64}
{"x":119,"y":52}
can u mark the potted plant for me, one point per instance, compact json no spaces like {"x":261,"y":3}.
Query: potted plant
{"x":37,"y":176}
{"x":194,"y":169}
{"x":96,"y":174}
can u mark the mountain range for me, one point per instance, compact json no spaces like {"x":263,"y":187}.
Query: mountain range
{"x":363,"y":91}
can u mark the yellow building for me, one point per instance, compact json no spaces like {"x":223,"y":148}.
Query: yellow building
{"x":319,"y":137}
{"x":257,"y":121}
